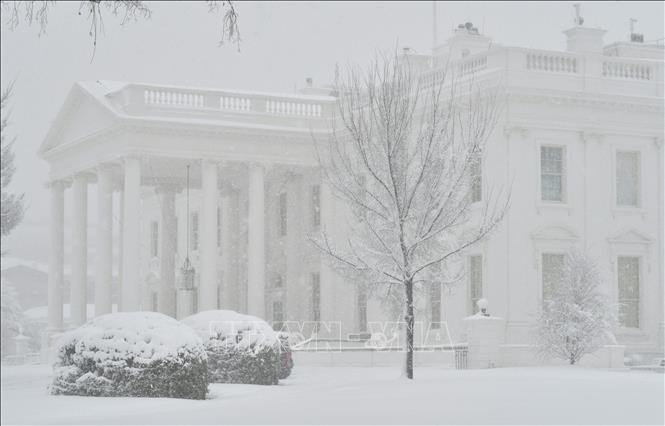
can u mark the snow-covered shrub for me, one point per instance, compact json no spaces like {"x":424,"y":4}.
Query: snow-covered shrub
{"x":576,"y":318}
{"x":240,"y":348}
{"x":11,"y":317}
{"x":139,"y":354}
{"x":285,"y":356}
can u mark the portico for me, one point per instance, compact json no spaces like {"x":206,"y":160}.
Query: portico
{"x":137,"y":141}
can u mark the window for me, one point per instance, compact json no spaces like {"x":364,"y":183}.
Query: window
{"x":154,"y":301}
{"x":282,"y":214}
{"x":277,"y":315}
{"x":316,"y":297}
{"x":435,"y":305}
{"x":154,"y":238}
{"x":279,"y":282}
{"x":195,"y":231}
{"x":551,"y":273}
{"x":629,"y":291}
{"x":628,"y":178}
{"x":475,"y":280}
{"x":316,"y":205}
{"x":362,"y":308}
{"x":476,"y":181}
{"x":552,"y":173}
{"x":219,"y":227}
{"x":220,"y":289}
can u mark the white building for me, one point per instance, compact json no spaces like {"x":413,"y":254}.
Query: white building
{"x":581,"y":140}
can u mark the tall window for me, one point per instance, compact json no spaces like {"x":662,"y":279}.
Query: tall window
{"x":316,"y":297}
{"x":195,"y":231}
{"x":475,"y":280}
{"x":220,"y":289}
{"x":219,"y":227}
{"x":629,"y":291}
{"x":628,"y":178}
{"x":552,"y":173}
{"x":277,"y":315}
{"x":362,"y":308}
{"x":435,"y":305}
{"x":154,"y":301}
{"x":551,"y":273}
{"x":476,"y":181}
{"x":154,"y":238}
{"x":282,"y":213}
{"x":316,"y":205}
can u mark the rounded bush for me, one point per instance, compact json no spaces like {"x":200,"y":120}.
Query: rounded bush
{"x":285,"y":356}
{"x":137,"y":354}
{"x":240,"y":348}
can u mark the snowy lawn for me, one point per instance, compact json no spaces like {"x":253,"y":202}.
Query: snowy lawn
{"x":365,"y":395}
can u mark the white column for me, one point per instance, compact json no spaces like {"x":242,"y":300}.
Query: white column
{"x":166,"y":301}
{"x":130,"y":235}
{"x":208,"y":236}
{"x":256,"y":242}
{"x":103,"y":267}
{"x":230,"y":249}
{"x":79,"y":263}
{"x":56,"y":256}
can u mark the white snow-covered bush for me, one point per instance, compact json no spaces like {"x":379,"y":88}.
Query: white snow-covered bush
{"x":241,"y":348}
{"x":576,"y":318}
{"x":139,"y":354}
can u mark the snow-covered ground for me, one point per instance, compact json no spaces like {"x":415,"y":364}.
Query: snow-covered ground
{"x":365,"y":395}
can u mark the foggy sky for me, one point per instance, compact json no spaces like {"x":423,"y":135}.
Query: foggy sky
{"x":282,"y":44}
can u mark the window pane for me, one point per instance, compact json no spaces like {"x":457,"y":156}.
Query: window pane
{"x":316,"y":205}
{"x":362,"y":309}
{"x":628,"y":178}
{"x":476,"y":182}
{"x":282,"y":214}
{"x":551,"y":173}
{"x":628,"y":269}
{"x":551,"y":273}
{"x":475,"y":280}
{"x":316,"y":297}
{"x":435,"y":300}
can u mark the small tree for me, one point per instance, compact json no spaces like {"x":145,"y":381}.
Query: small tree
{"x":12,"y":204}
{"x":402,"y":159}
{"x":11,"y":316}
{"x":576,"y":317}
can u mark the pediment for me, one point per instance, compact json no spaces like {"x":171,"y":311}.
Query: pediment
{"x":630,"y":236}
{"x":555,"y":232}
{"x":81,"y":115}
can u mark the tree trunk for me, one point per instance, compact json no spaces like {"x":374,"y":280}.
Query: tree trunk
{"x":409,"y":328}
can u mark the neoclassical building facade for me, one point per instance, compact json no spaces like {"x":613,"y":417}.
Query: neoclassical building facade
{"x":580,"y":142}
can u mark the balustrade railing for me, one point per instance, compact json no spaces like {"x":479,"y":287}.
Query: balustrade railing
{"x":613,"y":68}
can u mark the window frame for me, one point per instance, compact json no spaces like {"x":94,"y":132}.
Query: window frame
{"x":640,"y":290}
{"x":154,"y":238}
{"x":615,"y":179}
{"x":471,"y":305}
{"x":564,"y":174}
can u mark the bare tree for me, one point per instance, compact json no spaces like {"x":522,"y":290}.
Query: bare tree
{"x":37,"y":12}
{"x":576,"y":317}
{"x":11,"y":204}
{"x":402,"y":157}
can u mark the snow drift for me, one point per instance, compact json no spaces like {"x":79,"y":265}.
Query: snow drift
{"x":141,"y":354}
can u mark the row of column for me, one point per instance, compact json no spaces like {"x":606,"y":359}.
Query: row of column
{"x":130,"y":245}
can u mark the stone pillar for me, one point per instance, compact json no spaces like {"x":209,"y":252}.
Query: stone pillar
{"x":208,"y":237}
{"x":79,"y":263}
{"x":130,"y":235}
{"x":104,"y":265}
{"x":166,"y":298}
{"x":229,"y":250}
{"x":56,"y":256}
{"x":256,"y":242}
{"x":485,"y":335}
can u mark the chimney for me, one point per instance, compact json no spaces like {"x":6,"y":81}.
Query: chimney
{"x":585,"y":40}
